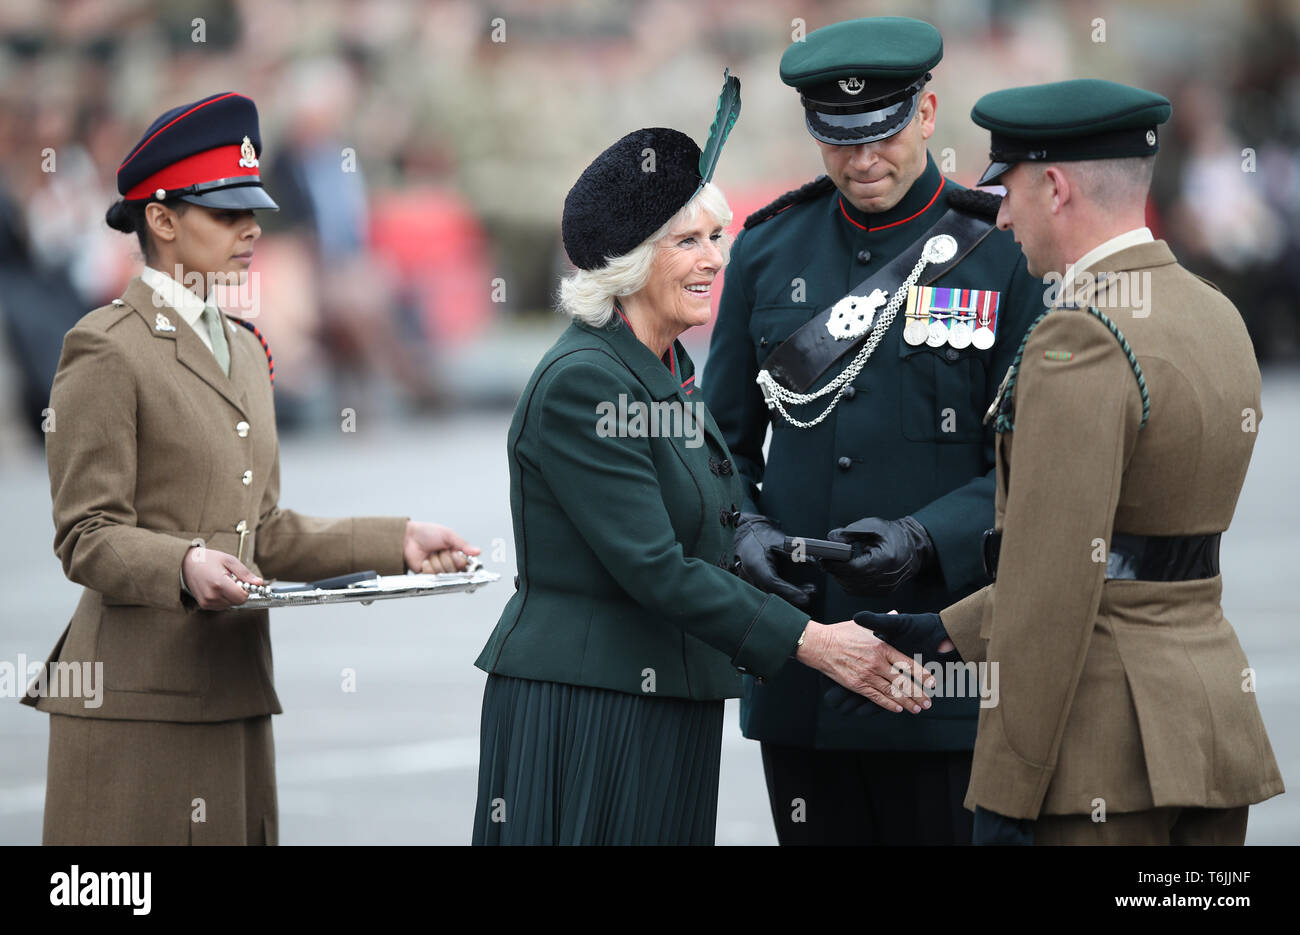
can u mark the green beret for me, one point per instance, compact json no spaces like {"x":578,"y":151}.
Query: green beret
{"x":859,"y":79}
{"x":1069,"y":121}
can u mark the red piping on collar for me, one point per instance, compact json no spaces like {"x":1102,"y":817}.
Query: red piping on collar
{"x":872,"y":230}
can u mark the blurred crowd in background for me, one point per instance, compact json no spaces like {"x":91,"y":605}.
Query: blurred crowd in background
{"x":421,"y":151}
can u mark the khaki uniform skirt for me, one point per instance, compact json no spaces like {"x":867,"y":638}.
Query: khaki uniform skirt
{"x":158,"y":782}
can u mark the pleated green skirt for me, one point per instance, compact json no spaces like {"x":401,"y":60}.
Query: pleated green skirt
{"x":569,"y":764}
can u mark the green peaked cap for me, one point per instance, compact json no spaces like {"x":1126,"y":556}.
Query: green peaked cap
{"x":1067,"y":121}
{"x":873,"y":47}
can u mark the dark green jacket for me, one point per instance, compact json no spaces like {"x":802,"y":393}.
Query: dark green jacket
{"x":883,"y":452}
{"x":624,"y":544}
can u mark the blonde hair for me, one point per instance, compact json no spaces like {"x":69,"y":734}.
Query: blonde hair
{"x":588,"y":294}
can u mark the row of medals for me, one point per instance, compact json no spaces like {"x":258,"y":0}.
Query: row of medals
{"x":937,"y":333}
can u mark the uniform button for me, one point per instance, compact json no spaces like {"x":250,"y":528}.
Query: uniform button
{"x":241,"y":429}
{"x":725,"y":467}
{"x":864,"y":256}
{"x":247,"y":478}
{"x":850,"y":392}
{"x":951,"y":353}
{"x":845,"y":463}
{"x":762,"y":342}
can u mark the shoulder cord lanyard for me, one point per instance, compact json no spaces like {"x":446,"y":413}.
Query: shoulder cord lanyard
{"x":270,"y":362}
{"x":1002,"y":401}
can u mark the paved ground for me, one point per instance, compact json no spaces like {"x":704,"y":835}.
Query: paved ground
{"x":394,"y":761}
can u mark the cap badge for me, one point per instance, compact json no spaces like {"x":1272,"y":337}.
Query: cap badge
{"x":163,"y":323}
{"x":852,"y":85}
{"x":249,"y":160}
{"x":1151,"y":137}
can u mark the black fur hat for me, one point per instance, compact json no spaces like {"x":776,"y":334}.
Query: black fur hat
{"x":628,"y":193}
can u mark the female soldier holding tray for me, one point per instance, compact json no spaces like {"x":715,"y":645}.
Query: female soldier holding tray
{"x":164,"y":474}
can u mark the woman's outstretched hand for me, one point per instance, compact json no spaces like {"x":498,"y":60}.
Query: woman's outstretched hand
{"x":854,"y":658}
{"x":433,"y":549}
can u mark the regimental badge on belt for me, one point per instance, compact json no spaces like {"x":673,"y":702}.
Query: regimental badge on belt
{"x":853,"y":315}
{"x":956,"y":317}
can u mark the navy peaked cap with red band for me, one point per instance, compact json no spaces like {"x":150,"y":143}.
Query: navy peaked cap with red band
{"x":205,"y":153}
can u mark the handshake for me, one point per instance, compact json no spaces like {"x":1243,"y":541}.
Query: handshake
{"x":873,"y":658}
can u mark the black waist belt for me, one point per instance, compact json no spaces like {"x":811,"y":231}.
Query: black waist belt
{"x":1140,"y":558}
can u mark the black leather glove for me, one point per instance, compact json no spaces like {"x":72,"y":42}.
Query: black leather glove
{"x":757,"y":537}
{"x":913,"y":634}
{"x":886,"y":552}
{"x":995,"y":829}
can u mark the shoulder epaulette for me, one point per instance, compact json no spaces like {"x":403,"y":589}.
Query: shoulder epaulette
{"x":1208,"y":283}
{"x":807,"y":192}
{"x":972,"y":201}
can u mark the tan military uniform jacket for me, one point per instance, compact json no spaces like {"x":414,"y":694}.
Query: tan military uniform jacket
{"x":153,"y":449}
{"x":1134,"y":693}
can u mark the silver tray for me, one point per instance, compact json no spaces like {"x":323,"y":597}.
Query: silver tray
{"x":383,"y":588}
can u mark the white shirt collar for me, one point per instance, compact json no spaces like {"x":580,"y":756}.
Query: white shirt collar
{"x":182,"y":299}
{"x":1117,"y":243}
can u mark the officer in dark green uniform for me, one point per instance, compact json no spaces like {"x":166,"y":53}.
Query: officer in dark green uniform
{"x":868,"y":319}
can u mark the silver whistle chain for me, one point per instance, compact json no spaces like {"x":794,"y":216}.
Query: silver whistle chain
{"x":938,"y":249}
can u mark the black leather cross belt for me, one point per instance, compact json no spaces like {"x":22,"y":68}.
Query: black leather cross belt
{"x":1140,"y":558}
{"x":801,"y":359}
